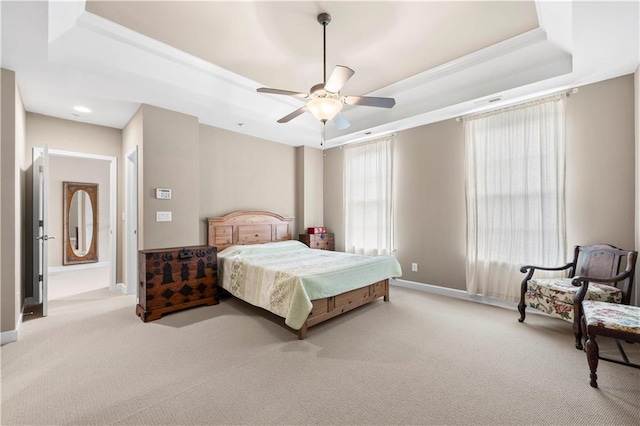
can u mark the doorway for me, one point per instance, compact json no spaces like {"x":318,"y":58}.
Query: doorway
{"x":64,"y":280}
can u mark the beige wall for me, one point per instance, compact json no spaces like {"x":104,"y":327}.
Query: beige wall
{"x":429,"y":183}
{"x":210,"y":171}
{"x":77,"y":137}
{"x":600,"y":189}
{"x":309,"y":171}
{"x":240,"y":172}
{"x":430,"y":205}
{"x":429,"y":202}
{"x":12,"y":208}
{"x":600,"y":183}
{"x":73,"y":136}
{"x":170,"y":160}
{"x":84,"y":170}
{"x":333,"y":194}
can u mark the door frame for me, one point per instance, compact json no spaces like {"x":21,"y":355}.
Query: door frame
{"x":131,"y":223}
{"x":113,"y":203}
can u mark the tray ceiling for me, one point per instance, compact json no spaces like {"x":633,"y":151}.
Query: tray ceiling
{"x":437,"y":59}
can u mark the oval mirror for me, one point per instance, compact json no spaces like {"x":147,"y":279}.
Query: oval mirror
{"x":80,"y":223}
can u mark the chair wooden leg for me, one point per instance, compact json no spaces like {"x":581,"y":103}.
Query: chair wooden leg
{"x":523,"y":291}
{"x":577,"y":331}
{"x":583,"y":327}
{"x":521,"y":309}
{"x":592,"y":359}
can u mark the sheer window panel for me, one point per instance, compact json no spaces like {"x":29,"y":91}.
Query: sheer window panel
{"x":515,"y":174}
{"x":369,"y":197}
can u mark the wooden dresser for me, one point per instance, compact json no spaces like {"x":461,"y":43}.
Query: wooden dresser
{"x":318,"y":241}
{"x":176,"y":278}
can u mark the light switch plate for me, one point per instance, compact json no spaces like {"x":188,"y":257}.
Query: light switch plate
{"x":163,"y":217}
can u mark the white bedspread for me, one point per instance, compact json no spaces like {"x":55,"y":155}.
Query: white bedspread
{"x":284,"y":277}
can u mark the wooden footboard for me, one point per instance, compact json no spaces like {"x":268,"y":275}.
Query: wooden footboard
{"x":324,"y":309}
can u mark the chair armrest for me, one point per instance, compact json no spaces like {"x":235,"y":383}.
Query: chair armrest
{"x":577,"y":281}
{"x":583,"y":283}
{"x":532,"y":268}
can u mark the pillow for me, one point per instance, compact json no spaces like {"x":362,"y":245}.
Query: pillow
{"x":288,"y":245}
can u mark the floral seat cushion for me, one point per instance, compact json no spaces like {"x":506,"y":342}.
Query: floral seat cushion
{"x":561,"y":289}
{"x":555,"y":295}
{"x":612,"y":316}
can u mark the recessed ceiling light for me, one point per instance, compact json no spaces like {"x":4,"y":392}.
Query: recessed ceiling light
{"x":80,"y":108}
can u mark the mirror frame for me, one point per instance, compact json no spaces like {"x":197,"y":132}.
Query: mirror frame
{"x":69,"y":189}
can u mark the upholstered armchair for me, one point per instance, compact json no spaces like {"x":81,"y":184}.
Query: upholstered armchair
{"x":594,"y":274}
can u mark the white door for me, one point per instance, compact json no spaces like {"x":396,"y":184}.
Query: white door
{"x":40,"y":226}
{"x":131,"y":222}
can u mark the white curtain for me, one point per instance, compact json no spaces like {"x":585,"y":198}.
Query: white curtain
{"x":515,"y":171}
{"x":368,"y":171}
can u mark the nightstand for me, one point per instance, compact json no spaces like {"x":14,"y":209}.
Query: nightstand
{"x":318,"y":241}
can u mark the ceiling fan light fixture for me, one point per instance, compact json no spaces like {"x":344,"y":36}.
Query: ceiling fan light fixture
{"x":324,"y":109}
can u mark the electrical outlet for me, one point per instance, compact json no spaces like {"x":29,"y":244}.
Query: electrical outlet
{"x":414,"y":267}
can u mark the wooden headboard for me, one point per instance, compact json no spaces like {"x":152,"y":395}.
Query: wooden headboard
{"x":248,"y":227}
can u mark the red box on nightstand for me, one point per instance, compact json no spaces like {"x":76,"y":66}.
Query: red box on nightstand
{"x":317,"y":230}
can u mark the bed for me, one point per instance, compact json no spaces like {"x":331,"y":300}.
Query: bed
{"x":259,"y":263}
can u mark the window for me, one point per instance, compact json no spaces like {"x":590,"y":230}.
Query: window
{"x":515,"y":195}
{"x":369,"y":197}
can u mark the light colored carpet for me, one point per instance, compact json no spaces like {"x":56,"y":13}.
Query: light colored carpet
{"x":418,"y":359}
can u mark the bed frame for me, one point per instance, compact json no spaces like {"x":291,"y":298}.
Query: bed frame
{"x":257,"y":227}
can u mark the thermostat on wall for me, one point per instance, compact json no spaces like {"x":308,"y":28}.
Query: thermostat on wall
{"x":163,"y":193}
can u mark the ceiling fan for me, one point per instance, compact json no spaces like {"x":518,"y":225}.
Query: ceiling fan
{"x":324,"y":99}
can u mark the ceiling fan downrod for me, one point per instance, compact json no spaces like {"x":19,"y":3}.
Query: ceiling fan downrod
{"x":324,"y":19}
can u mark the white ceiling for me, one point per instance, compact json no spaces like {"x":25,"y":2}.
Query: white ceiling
{"x":280,"y":43}
{"x":437,"y":59}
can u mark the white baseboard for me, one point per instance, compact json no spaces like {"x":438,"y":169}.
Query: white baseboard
{"x":452,"y":292}
{"x":8,"y":337}
{"x":64,"y":268}
{"x":11,"y":335}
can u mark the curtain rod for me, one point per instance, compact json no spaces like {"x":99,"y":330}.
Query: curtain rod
{"x":566,"y":93}
{"x":366,"y":140}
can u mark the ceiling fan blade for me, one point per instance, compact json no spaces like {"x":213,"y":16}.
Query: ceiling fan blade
{"x":282,"y":92}
{"x":293,"y":115}
{"x":370,"y":101}
{"x":341,"y":121}
{"x":338,"y":78}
